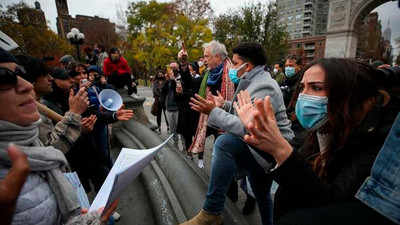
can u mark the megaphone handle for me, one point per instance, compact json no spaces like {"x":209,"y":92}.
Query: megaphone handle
{"x":48,"y":112}
{"x":95,"y":91}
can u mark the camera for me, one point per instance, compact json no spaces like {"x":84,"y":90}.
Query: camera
{"x":97,"y":77}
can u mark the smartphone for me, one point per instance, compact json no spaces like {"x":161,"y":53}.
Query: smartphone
{"x":89,"y":111}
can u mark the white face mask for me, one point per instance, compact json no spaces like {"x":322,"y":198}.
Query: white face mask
{"x":201,"y":63}
{"x":276,"y":71}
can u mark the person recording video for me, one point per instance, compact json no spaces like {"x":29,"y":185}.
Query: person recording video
{"x":96,"y":77}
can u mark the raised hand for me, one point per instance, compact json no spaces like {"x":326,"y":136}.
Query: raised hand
{"x":264,"y":132}
{"x":169,"y":74}
{"x":124,"y":114}
{"x":78,"y":103}
{"x":244,"y":107}
{"x":104,"y":81}
{"x":219,"y":100}
{"x":86,"y":85}
{"x":88,"y":123}
{"x":203,"y":105}
{"x":183,"y":57}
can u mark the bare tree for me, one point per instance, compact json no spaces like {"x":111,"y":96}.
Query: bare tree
{"x":99,"y":33}
{"x":195,"y":9}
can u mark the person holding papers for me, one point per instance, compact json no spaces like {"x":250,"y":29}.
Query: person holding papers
{"x":47,"y":197}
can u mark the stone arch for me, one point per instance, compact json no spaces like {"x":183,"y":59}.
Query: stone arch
{"x":343,"y":19}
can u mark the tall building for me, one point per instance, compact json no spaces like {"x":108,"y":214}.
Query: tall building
{"x":371,"y":44}
{"x":62,"y":11}
{"x":387,"y":56}
{"x":387,"y":34}
{"x":310,"y":48}
{"x":95,"y":29}
{"x":32,"y":16}
{"x":303,"y":18}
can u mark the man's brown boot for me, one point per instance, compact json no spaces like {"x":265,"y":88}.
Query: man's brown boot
{"x":205,"y":218}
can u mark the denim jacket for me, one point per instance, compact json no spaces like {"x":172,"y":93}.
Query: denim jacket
{"x":381,"y":190}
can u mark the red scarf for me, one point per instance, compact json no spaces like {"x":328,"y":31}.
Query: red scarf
{"x":227,"y":91}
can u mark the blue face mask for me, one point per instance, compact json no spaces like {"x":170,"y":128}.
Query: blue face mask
{"x":290,"y":71}
{"x":311,"y":111}
{"x":233,"y":73}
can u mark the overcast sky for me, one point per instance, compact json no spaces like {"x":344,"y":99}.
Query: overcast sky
{"x":108,"y":9}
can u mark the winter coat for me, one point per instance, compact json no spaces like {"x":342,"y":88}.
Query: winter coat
{"x":36,"y":203}
{"x":121,"y":66}
{"x":299,"y":186}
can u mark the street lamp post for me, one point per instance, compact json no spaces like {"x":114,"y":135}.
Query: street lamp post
{"x":76,"y":38}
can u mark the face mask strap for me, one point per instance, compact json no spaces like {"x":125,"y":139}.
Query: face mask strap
{"x":241,"y":66}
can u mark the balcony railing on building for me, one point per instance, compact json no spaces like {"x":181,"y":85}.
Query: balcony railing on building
{"x":307,"y":16}
{"x":308,"y":9}
{"x":310,"y":55}
{"x":309,"y":47}
{"x":308,"y":2}
{"x":306,"y":31}
{"x":307,"y":24}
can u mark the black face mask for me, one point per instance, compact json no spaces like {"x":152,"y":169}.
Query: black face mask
{"x":160,"y":78}
{"x":176,"y":72}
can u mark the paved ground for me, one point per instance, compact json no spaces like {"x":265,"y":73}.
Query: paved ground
{"x":253,"y":218}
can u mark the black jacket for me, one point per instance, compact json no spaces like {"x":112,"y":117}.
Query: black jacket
{"x":188,"y":118}
{"x":84,"y":156}
{"x":299,"y":186}
{"x":58,"y":102}
{"x":287,"y":87}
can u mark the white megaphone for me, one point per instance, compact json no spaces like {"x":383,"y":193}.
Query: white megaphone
{"x":110,"y":100}
{"x":6,"y":42}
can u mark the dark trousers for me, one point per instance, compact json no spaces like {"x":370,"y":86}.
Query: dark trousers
{"x":120,"y":80}
{"x":85,"y":158}
{"x":344,"y":213}
{"x":160,"y":111}
{"x":188,"y":140}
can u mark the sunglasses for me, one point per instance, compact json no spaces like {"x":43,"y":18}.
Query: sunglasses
{"x":8,"y":78}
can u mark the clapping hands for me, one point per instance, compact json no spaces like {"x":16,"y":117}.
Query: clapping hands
{"x":261,"y":123}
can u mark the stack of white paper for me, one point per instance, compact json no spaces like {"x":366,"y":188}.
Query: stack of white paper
{"x":129,"y":164}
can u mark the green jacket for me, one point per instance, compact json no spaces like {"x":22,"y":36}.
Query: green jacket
{"x":279,"y":77}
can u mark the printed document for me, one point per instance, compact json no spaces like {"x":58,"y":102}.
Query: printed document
{"x":129,"y":164}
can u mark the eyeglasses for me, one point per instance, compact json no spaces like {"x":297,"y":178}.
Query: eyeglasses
{"x":8,"y":78}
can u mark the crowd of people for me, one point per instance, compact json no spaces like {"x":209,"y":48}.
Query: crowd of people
{"x":327,"y":133}
{"x":57,"y":121}
{"x":314,"y":129}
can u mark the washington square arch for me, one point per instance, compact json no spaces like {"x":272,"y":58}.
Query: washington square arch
{"x":344,"y":19}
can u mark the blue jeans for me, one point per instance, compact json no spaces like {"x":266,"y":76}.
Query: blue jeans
{"x":228,"y":152}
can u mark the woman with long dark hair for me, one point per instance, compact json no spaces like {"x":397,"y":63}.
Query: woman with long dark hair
{"x":348,"y":116}
{"x":158,"y":85}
